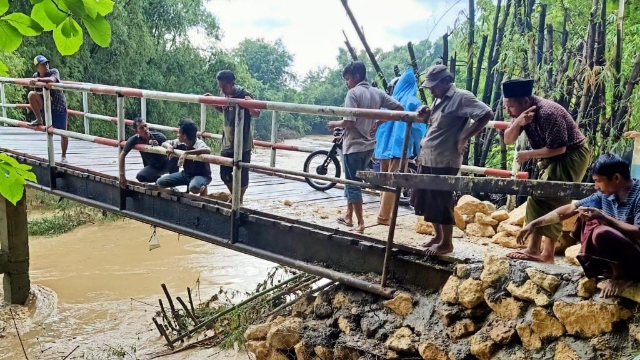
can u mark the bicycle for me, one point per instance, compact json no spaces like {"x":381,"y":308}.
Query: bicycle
{"x":327,"y":162}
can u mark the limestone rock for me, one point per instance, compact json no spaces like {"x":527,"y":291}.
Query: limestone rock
{"x":449,"y":292}
{"x":546,"y":326}
{"x":468,"y":219}
{"x":529,"y":338}
{"x":505,"y":240}
{"x":509,"y":229}
{"x":529,"y":291}
{"x":545,"y":281}
{"x":341,"y":301}
{"x":401,"y":341}
{"x":260,"y":349}
{"x":402,"y":304}
{"x":464,"y":271}
{"x":586,"y":288}
{"x":460,"y":223}
{"x":423,"y":227}
{"x":468,"y":205}
{"x":480,"y":230}
{"x":462,"y":328}
{"x":571,"y":254}
{"x":346,"y":353}
{"x":344,"y":325}
{"x":565,"y":352}
{"x":391,"y":355}
{"x":490,"y":206}
{"x":222,"y":196}
{"x":301,"y":351}
{"x":257,"y":332}
{"x":323,"y":352}
{"x":495,"y":268}
{"x":302,"y":307}
{"x":500,"y":215}
{"x":287,"y":202}
{"x":429,"y":351}
{"x":482,"y":346}
{"x":470,"y":293}
{"x":485,"y":219}
{"x":457,"y":233}
{"x":286,"y":335}
{"x":517,"y":216}
{"x":634,"y":331}
{"x":277,"y":355}
{"x":505,"y":308}
{"x":588,"y":318}
{"x":502,"y":333}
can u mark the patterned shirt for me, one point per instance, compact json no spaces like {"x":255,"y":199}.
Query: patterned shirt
{"x":58,"y":101}
{"x":230,"y":124}
{"x":627,"y":210}
{"x":449,"y":117}
{"x":552,"y":127}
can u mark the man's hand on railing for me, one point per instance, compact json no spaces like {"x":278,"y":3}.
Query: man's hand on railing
{"x":424,"y":113}
{"x":123,"y":181}
{"x":181,"y":159}
{"x":169,"y":148}
{"x":153,"y":142}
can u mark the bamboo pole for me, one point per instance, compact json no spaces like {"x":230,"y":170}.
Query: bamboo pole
{"x":541,"y":24}
{"x":634,"y":77}
{"x":617,"y":62}
{"x":445,"y":49}
{"x":416,"y":72}
{"x":486,"y":95}
{"x":350,"y":48}
{"x":476,"y":77}
{"x":372,"y":57}
{"x":470,"y":42}
{"x":549,"y":57}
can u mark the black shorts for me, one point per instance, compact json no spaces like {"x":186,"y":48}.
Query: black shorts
{"x":226,"y":172}
{"x":435,"y":205}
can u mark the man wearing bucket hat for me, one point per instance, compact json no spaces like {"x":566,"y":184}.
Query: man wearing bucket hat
{"x":45,"y":74}
{"x":562,"y":153}
{"x":442,"y":150}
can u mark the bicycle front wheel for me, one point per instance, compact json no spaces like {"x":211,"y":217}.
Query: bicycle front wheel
{"x":320,"y":162}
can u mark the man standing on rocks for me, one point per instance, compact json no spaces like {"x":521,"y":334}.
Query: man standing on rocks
{"x":359,"y":139}
{"x":608,"y":225}
{"x":442,"y":150}
{"x":560,"y":148}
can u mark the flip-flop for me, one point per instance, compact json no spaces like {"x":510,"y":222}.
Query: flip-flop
{"x":344,"y":222}
{"x":519,"y":255}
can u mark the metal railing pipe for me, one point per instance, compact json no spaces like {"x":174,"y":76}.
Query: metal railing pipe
{"x":48,"y":121}
{"x":274,"y":138}
{"x":85,"y":109}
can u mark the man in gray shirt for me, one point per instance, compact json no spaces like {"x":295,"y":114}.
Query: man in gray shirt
{"x":359,"y":139}
{"x":442,"y":148}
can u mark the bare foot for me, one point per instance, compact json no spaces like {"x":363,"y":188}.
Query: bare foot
{"x":385,"y":222}
{"x":359,"y":229}
{"x":438,"y":249}
{"x":528,"y":255}
{"x":612,"y":288}
{"x":435,"y":240}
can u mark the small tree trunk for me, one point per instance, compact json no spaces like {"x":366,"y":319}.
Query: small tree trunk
{"x":486,"y":95}
{"x":624,"y":105}
{"x":470,"y":42}
{"x":476,"y":78}
{"x":352,"y":51}
{"x":549,"y":57}
{"x":445,"y":49}
{"x":416,"y":72}
{"x":496,"y":56}
{"x":541,"y":22}
{"x":617,"y":62}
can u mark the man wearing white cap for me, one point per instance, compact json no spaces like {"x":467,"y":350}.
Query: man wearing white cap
{"x":442,"y":150}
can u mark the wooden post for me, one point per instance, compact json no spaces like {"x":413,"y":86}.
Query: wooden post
{"x":374,"y":62}
{"x":445,"y":49}
{"x":14,"y":250}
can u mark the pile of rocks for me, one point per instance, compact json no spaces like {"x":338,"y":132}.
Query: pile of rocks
{"x":481,"y":221}
{"x":496,"y":309}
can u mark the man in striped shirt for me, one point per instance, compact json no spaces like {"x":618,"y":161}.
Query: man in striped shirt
{"x":608,"y":226}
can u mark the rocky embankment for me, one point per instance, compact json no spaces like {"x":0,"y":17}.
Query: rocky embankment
{"x":498,"y":309}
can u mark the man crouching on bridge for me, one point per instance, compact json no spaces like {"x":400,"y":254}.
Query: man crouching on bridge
{"x":155,"y":165}
{"x":195,"y":174}
{"x":359,"y":139}
{"x":608,"y":225}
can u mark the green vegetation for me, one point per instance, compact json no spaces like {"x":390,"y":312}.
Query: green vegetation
{"x":60,"y":216}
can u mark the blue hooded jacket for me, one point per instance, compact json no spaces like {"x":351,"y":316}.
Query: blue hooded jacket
{"x":390,"y":135}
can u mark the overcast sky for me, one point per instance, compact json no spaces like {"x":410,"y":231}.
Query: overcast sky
{"x":312,"y":29}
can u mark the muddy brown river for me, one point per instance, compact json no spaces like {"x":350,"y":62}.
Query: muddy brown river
{"x":95,"y":289}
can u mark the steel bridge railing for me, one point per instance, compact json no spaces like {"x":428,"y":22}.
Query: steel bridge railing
{"x":240,"y":105}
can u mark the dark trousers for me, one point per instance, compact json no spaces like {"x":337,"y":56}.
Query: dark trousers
{"x":151,"y":173}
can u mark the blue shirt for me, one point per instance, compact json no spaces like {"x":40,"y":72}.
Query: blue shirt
{"x":627,"y":210}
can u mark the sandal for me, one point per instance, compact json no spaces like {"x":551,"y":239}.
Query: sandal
{"x":344,"y":222}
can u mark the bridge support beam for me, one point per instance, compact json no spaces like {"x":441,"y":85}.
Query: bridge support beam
{"x":14,"y":251}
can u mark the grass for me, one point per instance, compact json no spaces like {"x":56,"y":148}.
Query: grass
{"x":61,"y":215}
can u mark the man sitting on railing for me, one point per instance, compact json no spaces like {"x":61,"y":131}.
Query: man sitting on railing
{"x":359,"y":139}
{"x":195,"y":174}
{"x":58,"y":102}
{"x":228,"y":88}
{"x":155,"y":165}
{"x":560,"y":148}
{"x":608,"y":225}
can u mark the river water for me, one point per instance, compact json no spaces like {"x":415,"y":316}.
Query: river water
{"x":95,"y":289}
